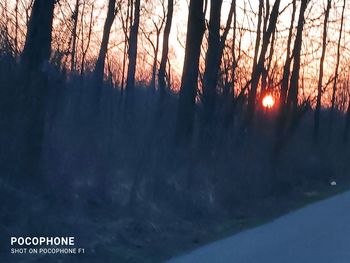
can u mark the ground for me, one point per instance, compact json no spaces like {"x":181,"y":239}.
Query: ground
{"x":317,"y":233}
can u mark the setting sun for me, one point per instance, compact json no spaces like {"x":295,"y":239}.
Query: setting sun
{"x":268,"y":101}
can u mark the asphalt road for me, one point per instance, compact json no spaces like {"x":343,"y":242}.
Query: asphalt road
{"x":318,"y":233}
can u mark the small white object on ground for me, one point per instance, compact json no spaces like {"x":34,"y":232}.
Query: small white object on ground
{"x":333,"y":183}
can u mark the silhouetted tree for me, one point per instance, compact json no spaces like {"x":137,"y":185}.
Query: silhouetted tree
{"x":212,"y":58}
{"x":234,"y":57}
{"x":74,"y":35}
{"x":336,"y":75}
{"x":257,"y":71}
{"x":165,"y":48}
{"x":216,"y":45}
{"x":37,"y":46}
{"x":265,"y":72}
{"x":266,"y":69}
{"x":132,"y":52}
{"x":16,"y":28}
{"x":292,"y":99}
{"x":32,"y":93}
{"x":319,"y":86}
{"x":158,"y":23}
{"x":288,"y":62}
{"x":125,"y":28}
{"x":189,"y":80}
{"x":347,"y":124}
{"x":100,"y":64}
{"x":258,"y":33}
{"x":85,"y":47}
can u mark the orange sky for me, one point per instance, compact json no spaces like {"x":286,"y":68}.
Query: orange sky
{"x":311,"y":43}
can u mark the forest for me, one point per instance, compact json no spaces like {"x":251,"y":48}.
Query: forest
{"x":148,"y":127}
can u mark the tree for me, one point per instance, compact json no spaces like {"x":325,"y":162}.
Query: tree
{"x":85,"y":48}
{"x":189,"y":80}
{"x":319,"y":86}
{"x":347,"y":123}
{"x":74,"y":35}
{"x":212,"y":58}
{"x":258,"y":69}
{"x":264,"y":74}
{"x":258,"y":33}
{"x":216,"y":45}
{"x":100,"y":64}
{"x":32,"y":93}
{"x":165,"y":48}
{"x":37,"y":48}
{"x":16,"y":28}
{"x":125,"y":28}
{"x":132,"y":52}
{"x":288,"y":62}
{"x":286,"y":76}
{"x":234,"y":58}
{"x":336,"y":75}
{"x":292,"y":99}
{"x":158,"y":22}
{"x":266,"y":70}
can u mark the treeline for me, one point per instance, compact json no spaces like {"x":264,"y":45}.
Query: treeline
{"x":212,"y":86}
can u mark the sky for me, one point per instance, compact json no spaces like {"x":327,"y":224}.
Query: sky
{"x":246,"y":22}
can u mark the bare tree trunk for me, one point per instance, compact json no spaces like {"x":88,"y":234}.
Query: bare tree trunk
{"x":336,"y":75}
{"x":286,"y":77}
{"x":126,"y":40}
{"x":85,"y":50}
{"x":258,"y":34}
{"x":212,"y":62}
{"x":286,"y":68}
{"x":155,"y":59}
{"x":74,"y":35}
{"x":37,"y":48}
{"x":169,"y":76}
{"x":260,"y":65}
{"x":319,"y":86}
{"x":267,"y":12}
{"x":32,"y":95}
{"x":189,"y":81}
{"x":100,"y":64}
{"x":234,"y":57}
{"x":223,"y":38}
{"x":154,"y":66}
{"x":347,"y":124}
{"x":124,"y":65}
{"x":16,"y":29}
{"x":165,"y":49}
{"x":265,"y":72}
{"x":231,"y":101}
{"x":216,"y":45}
{"x":132,"y":52}
{"x":292,"y":100}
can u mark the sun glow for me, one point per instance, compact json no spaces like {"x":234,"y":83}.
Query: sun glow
{"x":268,"y":101}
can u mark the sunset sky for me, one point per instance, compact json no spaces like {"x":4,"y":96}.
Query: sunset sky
{"x":246,"y":23}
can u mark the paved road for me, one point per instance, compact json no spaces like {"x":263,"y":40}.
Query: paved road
{"x":318,"y":233}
